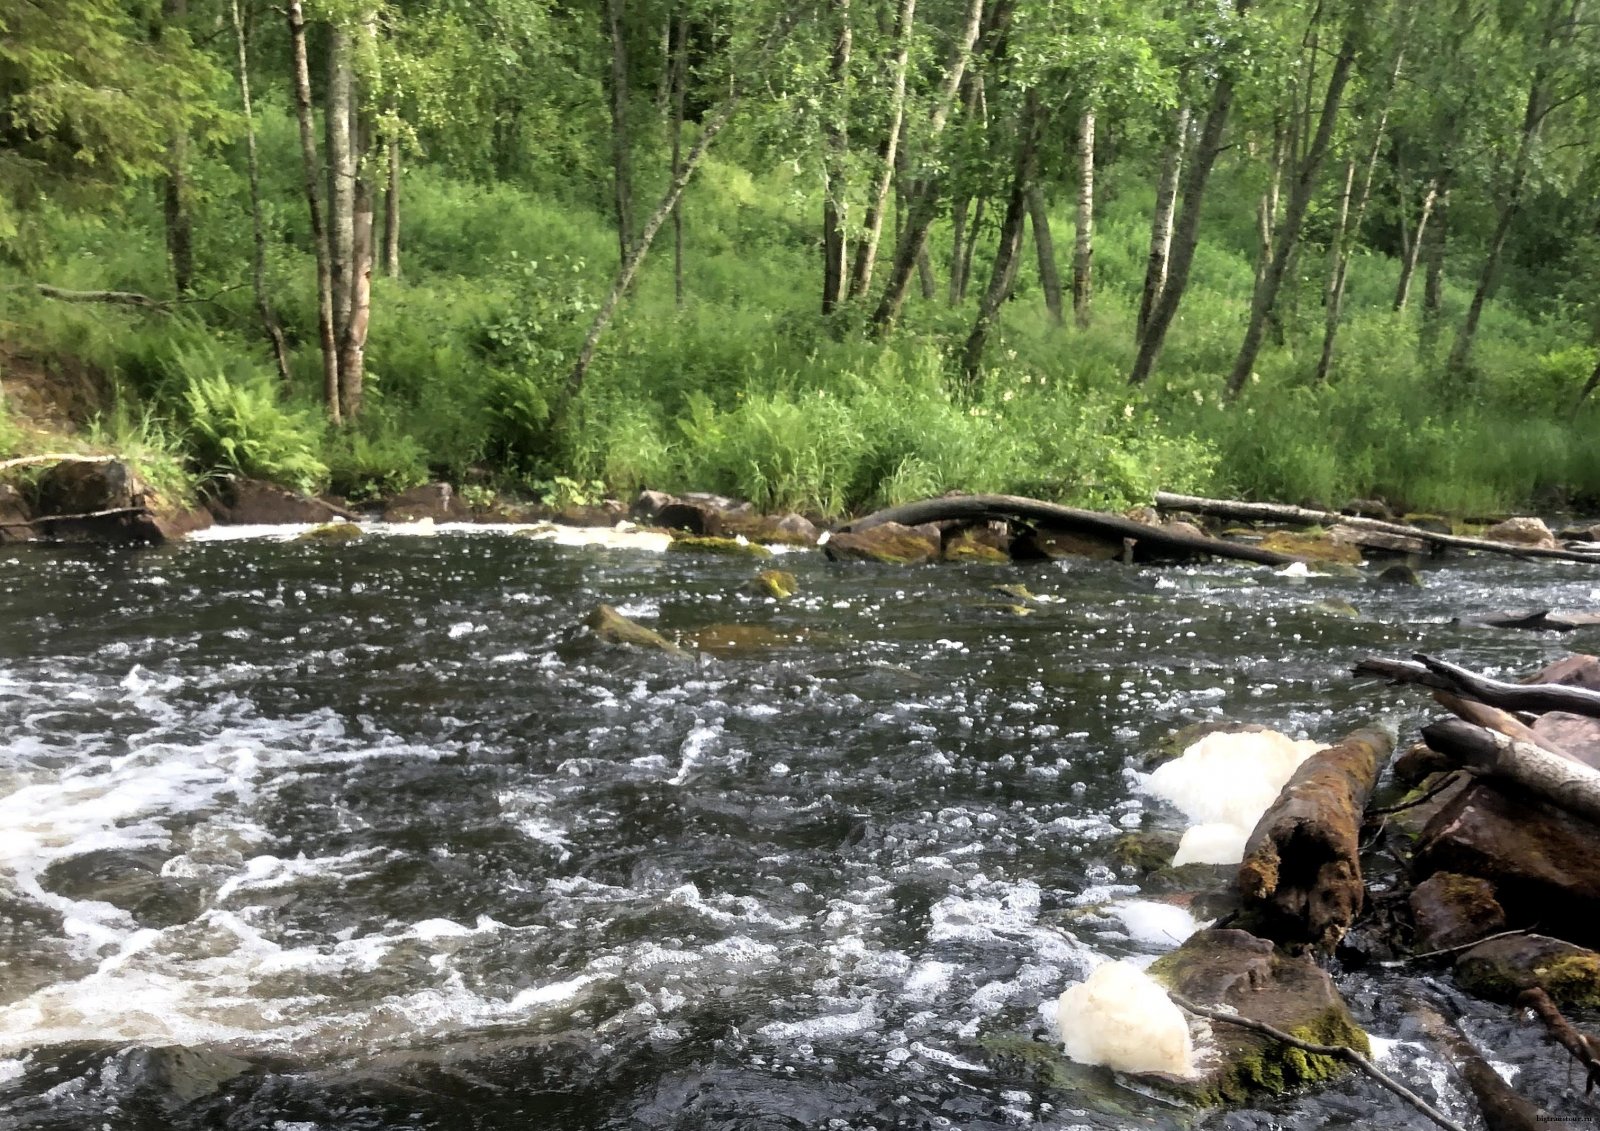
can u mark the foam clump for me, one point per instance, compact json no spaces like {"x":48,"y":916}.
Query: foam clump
{"x":1223,"y":783}
{"x":1120,"y":1017}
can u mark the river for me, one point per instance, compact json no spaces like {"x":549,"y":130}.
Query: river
{"x":384,"y":840}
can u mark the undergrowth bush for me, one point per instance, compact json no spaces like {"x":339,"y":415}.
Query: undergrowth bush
{"x":242,"y":427}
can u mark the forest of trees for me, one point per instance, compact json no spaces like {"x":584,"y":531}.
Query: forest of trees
{"x":823,"y":254}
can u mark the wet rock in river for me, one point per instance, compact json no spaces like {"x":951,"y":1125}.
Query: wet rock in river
{"x":331,"y":533}
{"x":1378,"y":543}
{"x":889,"y":543}
{"x":129,"y":879}
{"x":1312,"y":547}
{"x":1053,"y":545}
{"x":1234,"y":970}
{"x":1398,"y":574}
{"x":1502,"y":968}
{"x":778,"y":584}
{"x":179,"y":1075}
{"x":14,"y":516}
{"x":730,"y":640}
{"x":976,"y":544}
{"x":614,"y":628}
{"x":250,"y":502}
{"x":1449,"y":909}
{"x":725,"y":547}
{"x":436,"y":501}
{"x":1522,"y":531}
{"x":782,"y":530}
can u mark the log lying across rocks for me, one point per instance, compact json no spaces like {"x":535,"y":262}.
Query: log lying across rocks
{"x":1438,"y":675}
{"x":1148,"y":541}
{"x":1303,"y":516}
{"x":1564,"y":782}
{"x":1301,"y":872}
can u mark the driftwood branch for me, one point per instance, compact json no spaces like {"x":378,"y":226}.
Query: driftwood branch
{"x":1584,"y":1048}
{"x":1342,"y":1052}
{"x":1425,"y":671}
{"x":985,"y":508}
{"x":1446,"y":952}
{"x":1302,"y":864}
{"x":1302,"y":516}
{"x":114,"y":512}
{"x":1493,"y":718}
{"x":1565,"y":783}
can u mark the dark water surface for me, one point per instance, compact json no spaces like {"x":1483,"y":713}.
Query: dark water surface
{"x":305,"y":838}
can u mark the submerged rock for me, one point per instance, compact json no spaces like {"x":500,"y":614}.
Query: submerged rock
{"x":1233,"y":970}
{"x":614,"y":628}
{"x":888,"y":542}
{"x":726,"y":640}
{"x":1502,"y":968}
{"x":725,"y":547}
{"x":778,"y":584}
{"x":1449,"y":909}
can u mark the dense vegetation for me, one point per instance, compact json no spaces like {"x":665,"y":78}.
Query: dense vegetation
{"x":1242,"y":196}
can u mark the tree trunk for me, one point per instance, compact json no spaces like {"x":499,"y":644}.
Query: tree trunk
{"x":680,"y":81}
{"x":258,"y":260}
{"x":1009,"y":249}
{"x":341,"y":173}
{"x":1186,"y":234}
{"x":1083,"y":245}
{"x":353,"y":343}
{"x":709,"y":129}
{"x":877,"y":202}
{"x":175,"y":189}
{"x":975,"y":229}
{"x":1267,"y":208}
{"x":1155,"y":272}
{"x":835,"y":187}
{"x":1044,"y":246}
{"x":1413,"y":247}
{"x":925,"y":195}
{"x":391,"y":213}
{"x":319,"y":235}
{"x":1288,"y":234}
{"x":958,"y":236}
{"x":1437,"y":247}
{"x":930,"y":285}
{"x":621,"y":151}
{"x":1564,"y":782}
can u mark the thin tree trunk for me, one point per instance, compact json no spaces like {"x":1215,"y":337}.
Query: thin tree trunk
{"x":1333,"y":296}
{"x":958,"y":236}
{"x":1186,"y":234}
{"x":1413,"y":248}
{"x":1049,"y":277}
{"x":391,"y":214}
{"x":175,"y":190}
{"x":1083,"y":245}
{"x":835,"y":188}
{"x":930,"y":285}
{"x":1155,"y":273}
{"x":1289,"y":231}
{"x":1009,"y":248}
{"x":1267,"y":208}
{"x":925,"y":195}
{"x":680,"y":78}
{"x":867,"y":253}
{"x":319,"y":235}
{"x":709,"y":129}
{"x":258,"y":261}
{"x":972,"y":244}
{"x":621,"y":160}
{"x":341,"y":174}
{"x":353,"y":344}
{"x":1437,"y":248}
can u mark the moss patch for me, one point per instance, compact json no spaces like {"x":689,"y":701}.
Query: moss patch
{"x":333,"y":533}
{"x":775,"y":583}
{"x":1311,"y":547}
{"x":726,"y":547}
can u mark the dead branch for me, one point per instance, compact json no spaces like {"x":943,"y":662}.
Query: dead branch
{"x":1564,"y":782}
{"x":1425,"y":671}
{"x":115,"y":512}
{"x":55,"y":457}
{"x":1340,"y":1052}
{"x":1584,"y":1048}
{"x":1446,"y":952}
{"x":1502,"y":1108}
{"x":115,"y":298}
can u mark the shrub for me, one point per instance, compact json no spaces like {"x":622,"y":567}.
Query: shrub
{"x":241,"y":427}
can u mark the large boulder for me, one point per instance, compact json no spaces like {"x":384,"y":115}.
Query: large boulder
{"x":1502,"y":968}
{"x":1544,"y":862}
{"x":1378,"y":543}
{"x":253,"y":502}
{"x":1522,"y":531}
{"x":15,"y":524}
{"x":438,"y":502}
{"x":104,"y":500}
{"x":1238,"y":972}
{"x":887,"y":542}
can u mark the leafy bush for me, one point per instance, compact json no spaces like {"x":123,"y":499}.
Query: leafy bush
{"x":243,"y":428}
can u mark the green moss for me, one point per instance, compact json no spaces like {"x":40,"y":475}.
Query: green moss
{"x":726,"y":547}
{"x":1572,"y":980}
{"x":1311,"y":547}
{"x":1016,"y":591}
{"x":966,"y":548}
{"x":331,"y":533}
{"x":775,"y":583}
{"x":1271,"y":1066}
{"x":614,"y":628}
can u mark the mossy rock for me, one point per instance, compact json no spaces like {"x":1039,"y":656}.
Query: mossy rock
{"x":1017,"y":592}
{"x":614,"y":628}
{"x":778,"y":584}
{"x":967,"y":547}
{"x":1333,"y":607}
{"x":1234,"y":970}
{"x":1146,"y":851}
{"x":1502,"y":968}
{"x":1016,"y":1055}
{"x":725,"y":547}
{"x":332,"y":533}
{"x":729,"y":640}
{"x":1311,"y":547}
{"x":888,"y":543}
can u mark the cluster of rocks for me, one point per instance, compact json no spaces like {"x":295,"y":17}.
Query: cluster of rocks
{"x":93,"y":499}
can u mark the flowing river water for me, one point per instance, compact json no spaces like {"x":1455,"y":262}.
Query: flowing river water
{"x":313,"y":838}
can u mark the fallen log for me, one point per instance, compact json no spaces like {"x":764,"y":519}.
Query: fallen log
{"x":44,"y":520}
{"x":1564,"y":782}
{"x":1501,"y":722}
{"x":1501,"y":1107}
{"x":1303,"y":516}
{"x":1301,"y":872}
{"x":54,"y":457}
{"x":1439,"y":675}
{"x":1149,"y":542}
{"x":1536,"y":620}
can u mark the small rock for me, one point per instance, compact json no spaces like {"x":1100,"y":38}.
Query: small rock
{"x":1502,"y":968}
{"x":1053,"y":545}
{"x":1522,"y":531}
{"x":1334,"y":607}
{"x":778,"y":584}
{"x":1368,"y":508}
{"x":1450,"y":909}
{"x":614,"y":628}
{"x":332,"y":533}
{"x":1378,"y":543}
{"x":648,"y":505}
{"x":887,"y":542}
{"x":182,"y":1075}
{"x":726,"y":547}
{"x":1398,"y":574}
{"x":251,"y":502}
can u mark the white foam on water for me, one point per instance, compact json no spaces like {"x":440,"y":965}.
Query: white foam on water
{"x":1163,"y":925}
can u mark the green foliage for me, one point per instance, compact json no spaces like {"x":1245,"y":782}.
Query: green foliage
{"x":374,"y":458}
{"x":152,"y":446}
{"x":242,"y":428}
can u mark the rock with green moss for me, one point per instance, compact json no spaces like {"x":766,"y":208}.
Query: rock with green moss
{"x":1334,"y":607}
{"x":725,"y":547}
{"x":1502,"y":968}
{"x":614,"y":628}
{"x":1451,"y":910}
{"x":1146,"y":851}
{"x":333,"y":533}
{"x":889,"y":543}
{"x":1311,"y":547}
{"x":1238,"y":972}
{"x":778,"y":584}
{"x":977,"y":546}
{"x":1017,"y":592}
{"x":731,"y":640}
